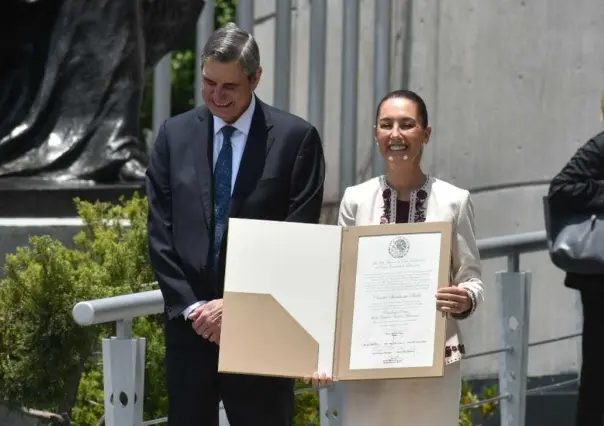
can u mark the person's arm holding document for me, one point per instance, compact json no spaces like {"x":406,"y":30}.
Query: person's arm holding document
{"x":466,"y":291}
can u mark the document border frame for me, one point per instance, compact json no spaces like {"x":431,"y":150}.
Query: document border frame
{"x":346,"y":292}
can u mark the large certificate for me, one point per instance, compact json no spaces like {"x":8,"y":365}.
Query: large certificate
{"x":353,"y":302}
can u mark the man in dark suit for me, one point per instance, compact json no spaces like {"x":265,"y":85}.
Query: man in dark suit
{"x":233,"y":157}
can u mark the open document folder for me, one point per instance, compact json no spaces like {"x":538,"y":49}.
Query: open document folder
{"x":353,"y":302}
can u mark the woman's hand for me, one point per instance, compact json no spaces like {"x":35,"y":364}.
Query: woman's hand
{"x":453,"y":299}
{"x":319,"y":380}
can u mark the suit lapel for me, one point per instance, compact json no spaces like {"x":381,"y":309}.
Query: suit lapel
{"x":258,"y":144}
{"x":203,"y":154}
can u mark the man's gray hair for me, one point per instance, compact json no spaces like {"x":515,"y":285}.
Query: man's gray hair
{"x":230,"y":43}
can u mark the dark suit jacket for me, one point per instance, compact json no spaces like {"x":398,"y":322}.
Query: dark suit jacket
{"x":579,"y":188}
{"x":280,"y":178}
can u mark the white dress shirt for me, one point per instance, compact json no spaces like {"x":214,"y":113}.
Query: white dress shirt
{"x":238,"y":141}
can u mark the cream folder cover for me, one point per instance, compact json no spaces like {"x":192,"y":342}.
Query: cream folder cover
{"x":287,"y":325}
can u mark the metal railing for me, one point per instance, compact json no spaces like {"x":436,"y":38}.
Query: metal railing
{"x":122,"y":308}
{"x":123,"y":355}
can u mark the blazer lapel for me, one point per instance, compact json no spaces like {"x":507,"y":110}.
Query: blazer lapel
{"x":203,"y":153}
{"x":259,"y":142}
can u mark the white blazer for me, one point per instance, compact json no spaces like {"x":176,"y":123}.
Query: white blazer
{"x":363,"y":204}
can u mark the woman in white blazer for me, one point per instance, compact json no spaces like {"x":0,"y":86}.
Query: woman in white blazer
{"x":407,"y":194}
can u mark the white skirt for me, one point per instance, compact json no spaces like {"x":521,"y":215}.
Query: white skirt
{"x":409,"y":402}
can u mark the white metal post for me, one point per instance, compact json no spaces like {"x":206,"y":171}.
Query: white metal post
{"x":162,"y":92}
{"x":330,"y":401}
{"x":514,"y":296}
{"x":124,"y":377}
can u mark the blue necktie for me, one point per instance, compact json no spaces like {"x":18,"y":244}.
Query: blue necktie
{"x":222,"y":192}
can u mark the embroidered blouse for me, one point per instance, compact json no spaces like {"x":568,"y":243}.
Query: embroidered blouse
{"x":413,"y":210}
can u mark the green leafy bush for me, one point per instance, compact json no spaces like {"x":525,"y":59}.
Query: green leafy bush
{"x":482,"y":411}
{"x":41,"y":347}
{"x":43,"y":352}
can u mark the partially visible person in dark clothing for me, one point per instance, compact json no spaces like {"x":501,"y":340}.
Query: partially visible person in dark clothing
{"x":579,"y":187}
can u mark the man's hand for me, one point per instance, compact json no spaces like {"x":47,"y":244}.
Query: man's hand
{"x":453,"y":299}
{"x":207,"y":320}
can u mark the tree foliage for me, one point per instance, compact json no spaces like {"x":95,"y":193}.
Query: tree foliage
{"x":40,"y":345}
{"x":482,"y":412}
{"x":43,"y":352}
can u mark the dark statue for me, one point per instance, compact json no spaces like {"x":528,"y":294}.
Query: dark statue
{"x":72,"y":74}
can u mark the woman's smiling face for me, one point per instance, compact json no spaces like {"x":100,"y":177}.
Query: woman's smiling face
{"x":400,"y":132}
